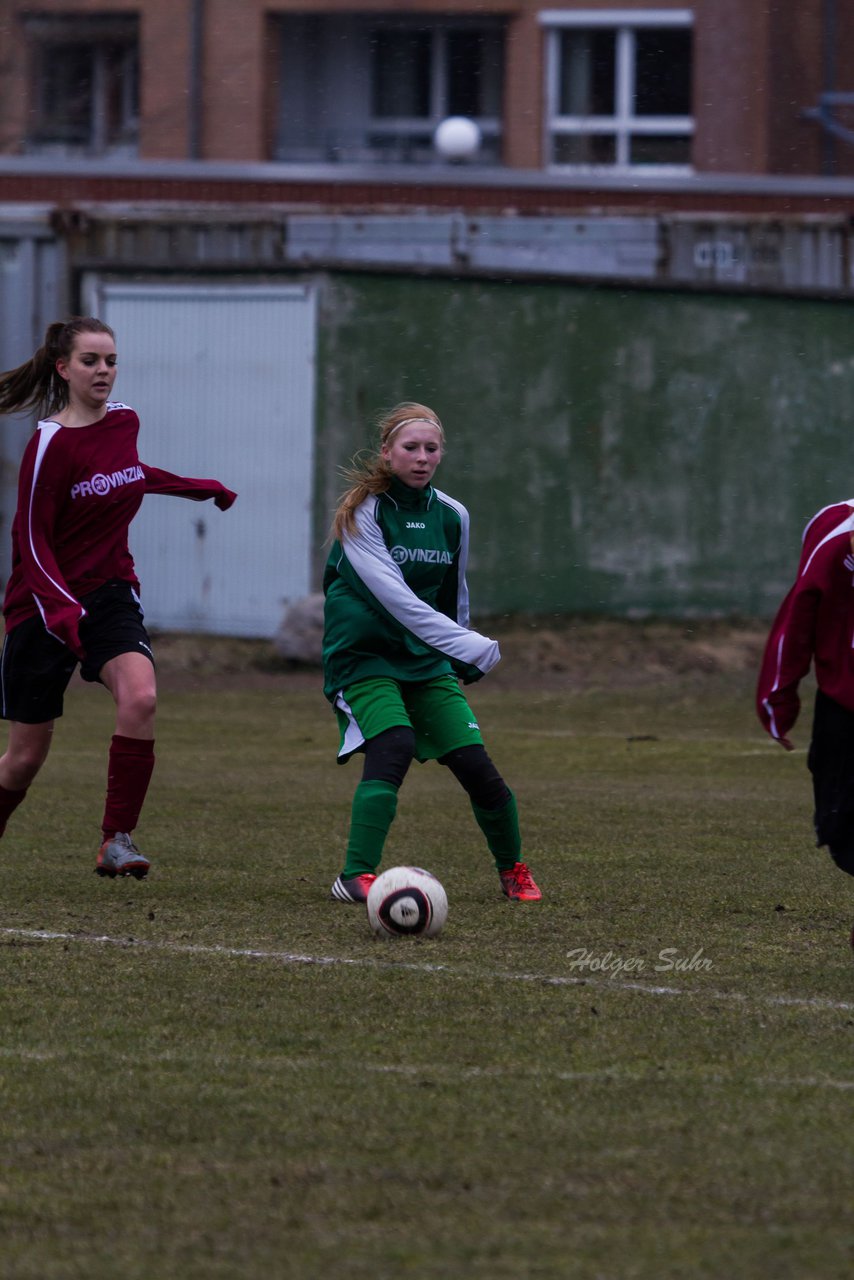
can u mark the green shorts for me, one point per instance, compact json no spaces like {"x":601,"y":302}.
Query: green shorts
{"x":435,"y":709}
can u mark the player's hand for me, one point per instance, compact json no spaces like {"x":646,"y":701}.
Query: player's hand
{"x":74,"y":643}
{"x":786,"y":744}
{"x":225,"y":499}
{"x":68,"y":631}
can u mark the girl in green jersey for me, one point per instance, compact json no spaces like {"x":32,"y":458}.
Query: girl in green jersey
{"x":396,"y":643}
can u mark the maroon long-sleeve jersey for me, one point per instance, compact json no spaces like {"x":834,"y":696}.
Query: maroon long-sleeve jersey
{"x":815,"y":623}
{"x":78,"y":490}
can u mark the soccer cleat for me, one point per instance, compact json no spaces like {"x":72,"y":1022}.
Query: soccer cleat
{"x":353,"y":889}
{"x":519,"y":885}
{"x":120,"y":857}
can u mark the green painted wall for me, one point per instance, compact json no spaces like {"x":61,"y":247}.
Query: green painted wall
{"x":639,"y":452}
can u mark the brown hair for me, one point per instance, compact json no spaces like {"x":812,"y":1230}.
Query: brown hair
{"x":370,"y":473}
{"x":36,"y":383}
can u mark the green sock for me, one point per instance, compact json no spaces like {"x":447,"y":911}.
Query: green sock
{"x":501,"y":828}
{"x":374,"y":807}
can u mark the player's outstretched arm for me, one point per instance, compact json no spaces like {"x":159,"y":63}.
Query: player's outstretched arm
{"x":159,"y":481}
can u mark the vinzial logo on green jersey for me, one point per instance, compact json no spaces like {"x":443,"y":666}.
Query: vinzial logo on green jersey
{"x":420,"y":555}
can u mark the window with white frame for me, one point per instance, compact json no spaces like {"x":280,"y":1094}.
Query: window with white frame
{"x":84,"y":83}
{"x":618,"y":88}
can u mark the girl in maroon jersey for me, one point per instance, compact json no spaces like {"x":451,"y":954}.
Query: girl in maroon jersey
{"x":72,"y":592}
{"x":813,"y":628}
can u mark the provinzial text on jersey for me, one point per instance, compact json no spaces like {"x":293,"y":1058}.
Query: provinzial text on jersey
{"x":421,"y":555}
{"x":100,"y":485}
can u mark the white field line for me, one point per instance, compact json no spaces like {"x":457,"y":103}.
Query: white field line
{"x":549,"y":980}
{"x":610,"y":1073}
{"x":455,"y":1072}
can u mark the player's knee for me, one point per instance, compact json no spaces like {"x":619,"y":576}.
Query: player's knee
{"x":140,"y":706}
{"x":843,"y":856}
{"x":22,"y":765}
{"x":389,"y":755}
{"x":475,"y":772}
{"x":834,"y":830}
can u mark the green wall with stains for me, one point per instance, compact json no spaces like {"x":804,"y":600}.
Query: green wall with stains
{"x":620,"y":452}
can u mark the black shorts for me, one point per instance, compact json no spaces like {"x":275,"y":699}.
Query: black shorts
{"x":35,"y":667}
{"x":831,"y":763}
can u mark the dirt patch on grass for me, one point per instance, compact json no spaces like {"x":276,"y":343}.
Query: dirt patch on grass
{"x":612,"y":652}
{"x":536,"y":652}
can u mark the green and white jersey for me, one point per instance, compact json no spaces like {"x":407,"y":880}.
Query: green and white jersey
{"x":396,"y":597}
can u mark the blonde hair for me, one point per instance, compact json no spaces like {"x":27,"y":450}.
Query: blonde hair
{"x":370,"y":474}
{"x":36,"y":383}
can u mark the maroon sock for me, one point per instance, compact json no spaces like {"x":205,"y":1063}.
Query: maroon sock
{"x":9,"y":801}
{"x":129,"y":773}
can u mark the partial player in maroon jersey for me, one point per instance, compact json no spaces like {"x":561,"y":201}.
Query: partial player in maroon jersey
{"x":815,"y":627}
{"x":73,"y":595}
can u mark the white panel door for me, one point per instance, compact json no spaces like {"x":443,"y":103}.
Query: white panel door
{"x":222,"y":377}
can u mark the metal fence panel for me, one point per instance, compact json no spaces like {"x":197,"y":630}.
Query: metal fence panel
{"x":223,"y":379}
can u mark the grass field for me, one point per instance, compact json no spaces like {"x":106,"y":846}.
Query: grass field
{"x":218,"y":1073}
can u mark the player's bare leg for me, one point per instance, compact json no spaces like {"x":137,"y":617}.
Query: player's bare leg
{"x":26,"y":752}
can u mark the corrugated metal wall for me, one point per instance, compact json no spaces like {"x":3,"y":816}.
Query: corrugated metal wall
{"x":33,"y":291}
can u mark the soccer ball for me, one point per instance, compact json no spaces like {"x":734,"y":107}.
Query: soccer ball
{"x":406,"y":902}
{"x":457,"y":138}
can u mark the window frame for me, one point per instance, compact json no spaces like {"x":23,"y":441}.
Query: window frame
{"x":420,"y":129}
{"x":623,"y":125}
{"x":103,"y":35}
{"x":369,"y":139}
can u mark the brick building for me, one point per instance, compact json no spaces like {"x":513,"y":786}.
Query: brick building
{"x":709,"y":87}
